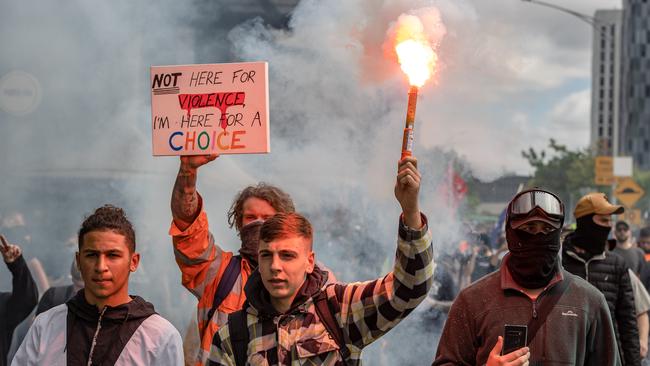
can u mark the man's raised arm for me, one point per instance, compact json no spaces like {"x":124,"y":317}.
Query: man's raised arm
{"x":24,"y":294}
{"x":367,"y":310}
{"x":185,"y":200}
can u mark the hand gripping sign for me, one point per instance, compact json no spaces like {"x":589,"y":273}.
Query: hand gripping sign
{"x":210,"y":108}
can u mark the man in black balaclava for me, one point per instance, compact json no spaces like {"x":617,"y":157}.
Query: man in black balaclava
{"x":567,"y":320}
{"x":585,"y":254}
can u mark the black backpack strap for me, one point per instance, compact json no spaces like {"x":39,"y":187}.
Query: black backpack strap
{"x":545,"y":308}
{"x":226,"y":284}
{"x":327,"y":318}
{"x":238,"y":330}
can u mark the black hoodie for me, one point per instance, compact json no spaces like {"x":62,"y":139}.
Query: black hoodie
{"x":112,"y":328}
{"x":259,"y":298}
{"x":17,"y":304}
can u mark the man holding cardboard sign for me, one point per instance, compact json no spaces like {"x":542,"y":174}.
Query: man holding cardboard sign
{"x":217,"y":277}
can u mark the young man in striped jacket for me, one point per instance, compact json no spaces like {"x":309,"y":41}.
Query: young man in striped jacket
{"x":283,"y":323}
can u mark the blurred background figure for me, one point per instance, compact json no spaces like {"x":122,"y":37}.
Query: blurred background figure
{"x":19,"y":303}
{"x":58,"y":295}
{"x":627,"y":248}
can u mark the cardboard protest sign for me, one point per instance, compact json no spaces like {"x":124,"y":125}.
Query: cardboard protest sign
{"x":210,"y":108}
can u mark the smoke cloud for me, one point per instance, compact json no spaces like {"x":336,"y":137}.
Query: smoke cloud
{"x":337,"y":113}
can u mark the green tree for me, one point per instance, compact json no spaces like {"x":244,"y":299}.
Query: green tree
{"x":567,"y":173}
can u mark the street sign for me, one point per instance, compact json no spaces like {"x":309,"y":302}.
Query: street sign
{"x":604,"y":171}
{"x":623,"y":166}
{"x":628,"y":192}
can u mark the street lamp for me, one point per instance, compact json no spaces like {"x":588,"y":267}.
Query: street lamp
{"x":585,"y":18}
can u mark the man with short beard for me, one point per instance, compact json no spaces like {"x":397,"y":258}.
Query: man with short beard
{"x":624,"y":246}
{"x":585,"y":254}
{"x":567,"y":319}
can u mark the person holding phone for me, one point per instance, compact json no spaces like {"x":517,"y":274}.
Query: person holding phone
{"x":547,"y":315}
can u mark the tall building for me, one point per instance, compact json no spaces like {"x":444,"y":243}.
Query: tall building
{"x":605,"y":84}
{"x":635,"y":83}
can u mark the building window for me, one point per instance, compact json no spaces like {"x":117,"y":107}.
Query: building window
{"x":602,"y":81}
{"x":646,"y":145}
{"x":600,"y":132}
{"x":609,"y":131}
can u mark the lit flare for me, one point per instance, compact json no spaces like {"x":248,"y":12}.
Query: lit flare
{"x":417,"y":60}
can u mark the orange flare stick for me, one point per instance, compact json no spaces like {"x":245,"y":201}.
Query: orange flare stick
{"x":407,"y":141}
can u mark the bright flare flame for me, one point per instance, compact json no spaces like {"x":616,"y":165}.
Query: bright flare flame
{"x":417,"y":60}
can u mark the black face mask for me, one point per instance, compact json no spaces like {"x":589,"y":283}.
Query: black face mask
{"x":250,"y":241}
{"x":590,"y":236}
{"x":533,"y":259}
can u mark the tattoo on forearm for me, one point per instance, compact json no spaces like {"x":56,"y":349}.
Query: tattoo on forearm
{"x":185,"y":201}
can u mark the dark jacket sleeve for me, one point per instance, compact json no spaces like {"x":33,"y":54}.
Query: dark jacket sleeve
{"x":457,"y":343}
{"x":601,"y":339}
{"x":46,"y":302}
{"x":24,"y":295}
{"x":626,"y":319}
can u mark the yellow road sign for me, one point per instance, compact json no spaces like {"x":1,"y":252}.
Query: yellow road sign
{"x":628,"y":192}
{"x":604,"y":170}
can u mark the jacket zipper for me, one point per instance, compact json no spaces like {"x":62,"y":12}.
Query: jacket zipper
{"x":92,"y":347}
{"x":535,"y":308}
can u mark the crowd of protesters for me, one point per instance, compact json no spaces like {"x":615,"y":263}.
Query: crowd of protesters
{"x":580,"y":291}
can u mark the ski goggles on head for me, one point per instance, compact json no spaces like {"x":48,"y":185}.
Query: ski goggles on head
{"x":536,"y":205}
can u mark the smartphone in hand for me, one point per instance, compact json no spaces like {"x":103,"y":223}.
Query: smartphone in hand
{"x":514,"y":338}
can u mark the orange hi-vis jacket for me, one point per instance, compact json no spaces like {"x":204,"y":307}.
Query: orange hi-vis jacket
{"x":202,"y":263}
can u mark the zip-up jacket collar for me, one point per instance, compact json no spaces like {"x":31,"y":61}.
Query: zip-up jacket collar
{"x":259,"y":298}
{"x":97,"y":337}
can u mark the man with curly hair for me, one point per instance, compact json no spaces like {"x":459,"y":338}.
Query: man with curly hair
{"x":102,"y":323}
{"x":215,"y":276}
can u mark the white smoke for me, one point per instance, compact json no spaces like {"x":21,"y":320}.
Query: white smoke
{"x":337,"y":113}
